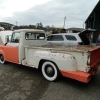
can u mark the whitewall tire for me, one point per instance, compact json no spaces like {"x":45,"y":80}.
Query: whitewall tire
{"x":50,"y":71}
{"x":2,"y":60}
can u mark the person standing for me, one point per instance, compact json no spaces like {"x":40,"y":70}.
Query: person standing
{"x":98,"y":40}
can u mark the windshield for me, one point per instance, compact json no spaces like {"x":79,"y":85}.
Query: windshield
{"x":15,"y":37}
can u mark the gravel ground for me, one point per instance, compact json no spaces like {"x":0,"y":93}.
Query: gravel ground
{"x":18,"y":82}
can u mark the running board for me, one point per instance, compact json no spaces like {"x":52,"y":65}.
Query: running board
{"x":25,"y":63}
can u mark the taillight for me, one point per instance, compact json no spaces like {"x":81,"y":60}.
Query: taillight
{"x":80,"y":43}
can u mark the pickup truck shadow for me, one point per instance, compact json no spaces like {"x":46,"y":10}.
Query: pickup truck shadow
{"x":21,"y":79}
{"x":32,"y":72}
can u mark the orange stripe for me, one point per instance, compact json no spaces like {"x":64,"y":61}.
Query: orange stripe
{"x":78,"y":75}
{"x":12,"y":54}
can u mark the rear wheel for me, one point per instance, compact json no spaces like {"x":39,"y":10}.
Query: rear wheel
{"x":2,"y":60}
{"x":50,"y":71}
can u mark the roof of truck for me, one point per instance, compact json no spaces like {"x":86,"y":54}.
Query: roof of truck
{"x":26,"y":30}
{"x":65,"y":34}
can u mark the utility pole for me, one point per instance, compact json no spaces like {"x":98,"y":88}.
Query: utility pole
{"x":83,"y":25}
{"x":64,"y":21}
{"x":16,"y":23}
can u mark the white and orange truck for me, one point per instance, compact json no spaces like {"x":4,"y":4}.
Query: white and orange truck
{"x":29,"y":47}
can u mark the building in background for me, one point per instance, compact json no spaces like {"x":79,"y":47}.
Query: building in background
{"x":74,"y":30}
{"x":93,"y":20}
{"x":6,"y":26}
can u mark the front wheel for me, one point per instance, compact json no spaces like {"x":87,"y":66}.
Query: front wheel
{"x":2,"y":60}
{"x":50,"y":71}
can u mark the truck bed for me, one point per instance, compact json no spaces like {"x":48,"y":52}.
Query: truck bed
{"x":81,"y":48}
{"x":92,"y":52}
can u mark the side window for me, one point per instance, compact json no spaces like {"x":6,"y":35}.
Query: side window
{"x":15,"y":37}
{"x":70,"y":37}
{"x":34,"y":36}
{"x":49,"y":38}
{"x":55,"y":38}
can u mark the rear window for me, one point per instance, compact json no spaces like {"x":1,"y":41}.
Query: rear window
{"x":55,"y":38}
{"x":70,"y":37}
{"x":34,"y":36}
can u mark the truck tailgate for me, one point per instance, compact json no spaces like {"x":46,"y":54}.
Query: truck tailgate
{"x":94,"y":57}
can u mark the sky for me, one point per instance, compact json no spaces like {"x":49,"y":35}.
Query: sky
{"x":48,"y":12}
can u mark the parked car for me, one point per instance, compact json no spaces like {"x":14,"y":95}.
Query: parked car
{"x":81,"y":38}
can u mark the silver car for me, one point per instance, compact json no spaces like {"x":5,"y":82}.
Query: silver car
{"x":64,"y":39}
{"x":81,"y":38}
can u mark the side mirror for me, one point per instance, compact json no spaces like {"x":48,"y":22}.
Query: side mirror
{"x":48,"y":39}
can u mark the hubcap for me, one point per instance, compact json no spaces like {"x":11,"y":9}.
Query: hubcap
{"x":49,"y":71}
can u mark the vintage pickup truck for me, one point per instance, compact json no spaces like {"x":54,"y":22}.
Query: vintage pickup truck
{"x":29,"y":47}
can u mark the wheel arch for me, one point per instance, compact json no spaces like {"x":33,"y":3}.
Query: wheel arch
{"x":44,"y":60}
{"x":2,"y":58}
{"x":56,"y":73}
{"x":1,"y":52}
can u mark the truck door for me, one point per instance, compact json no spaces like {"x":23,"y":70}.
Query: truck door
{"x":12,"y":48}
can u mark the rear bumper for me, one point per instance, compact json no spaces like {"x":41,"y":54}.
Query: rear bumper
{"x":78,"y":75}
{"x":81,"y":76}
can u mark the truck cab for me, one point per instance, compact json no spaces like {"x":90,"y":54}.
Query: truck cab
{"x":14,"y":51}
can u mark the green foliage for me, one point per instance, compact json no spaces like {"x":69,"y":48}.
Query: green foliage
{"x":25,"y":27}
{"x":37,"y":26}
{"x":6,"y":27}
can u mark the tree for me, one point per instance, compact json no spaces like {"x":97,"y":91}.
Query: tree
{"x":47,"y":28}
{"x":39,"y":25}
